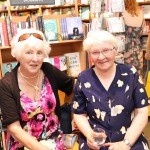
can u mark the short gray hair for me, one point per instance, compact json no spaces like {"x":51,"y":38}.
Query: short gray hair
{"x":99,"y":37}
{"x":32,"y":42}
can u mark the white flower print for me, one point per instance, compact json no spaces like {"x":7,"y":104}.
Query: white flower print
{"x":123,"y":130}
{"x":143,"y":101}
{"x":140,"y":80}
{"x":103,"y":114}
{"x":80,"y":86}
{"x":141,"y":90}
{"x":116,"y":110}
{"x":93,"y":98}
{"x":98,"y":113}
{"x":145,"y":146}
{"x":87,"y":85}
{"x":133,"y":69}
{"x":82,"y":145}
{"x":127,"y":88}
{"x":75,"y":105}
{"x":120,"y":83}
{"x":124,"y":74}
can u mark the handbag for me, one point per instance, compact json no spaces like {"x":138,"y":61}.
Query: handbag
{"x":65,"y":118}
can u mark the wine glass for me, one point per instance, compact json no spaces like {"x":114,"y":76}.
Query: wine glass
{"x":99,"y":136}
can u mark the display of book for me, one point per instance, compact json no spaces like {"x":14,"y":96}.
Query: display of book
{"x":7,"y":67}
{"x":73,"y":64}
{"x":51,"y":31}
{"x":74,"y":28}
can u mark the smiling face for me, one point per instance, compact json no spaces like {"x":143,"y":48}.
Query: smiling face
{"x":31,"y":61}
{"x":103,"y":56}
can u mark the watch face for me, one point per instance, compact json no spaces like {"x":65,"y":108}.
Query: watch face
{"x":126,"y":142}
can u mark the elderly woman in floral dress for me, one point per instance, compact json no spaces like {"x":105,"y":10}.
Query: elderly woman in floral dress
{"x":110,"y":96}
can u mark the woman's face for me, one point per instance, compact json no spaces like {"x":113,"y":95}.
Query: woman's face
{"x":103,"y":56}
{"x":31,"y":60}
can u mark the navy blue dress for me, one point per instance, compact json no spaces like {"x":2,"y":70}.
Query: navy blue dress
{"x":110,"y":109}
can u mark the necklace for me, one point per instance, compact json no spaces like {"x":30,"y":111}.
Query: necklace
{"x":36,"y":88}
{"x":28,"y":77}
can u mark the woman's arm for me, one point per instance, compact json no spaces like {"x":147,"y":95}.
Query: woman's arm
{"x":24,"y":138}
{"x":138,"y":124}
{"x":83,"y":124}
{"x":134,"y":131}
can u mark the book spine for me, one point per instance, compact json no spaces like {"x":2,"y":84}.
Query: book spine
{"x":14,"y":28}
{"x":1,"y":35}
{"x":9,"y":28}
{"x":5,"y":33}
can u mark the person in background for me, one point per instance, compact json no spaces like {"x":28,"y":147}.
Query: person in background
{"x":9,"y":68}
{"x":29,"y":95}
{"x":147,"y":56}
{"x":134,"y":26}
{"x":110,"y":96}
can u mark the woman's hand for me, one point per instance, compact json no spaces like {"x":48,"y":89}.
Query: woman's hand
{"x":90,"y":140}
{"x":91,"y":144}
{"x":117,"y":146}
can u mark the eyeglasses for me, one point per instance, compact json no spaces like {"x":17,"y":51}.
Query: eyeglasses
{"x":106,"y":52}
{"x":27,"y":35}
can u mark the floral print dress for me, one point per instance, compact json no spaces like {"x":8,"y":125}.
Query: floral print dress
{"x":133,"y":53}
{"x":110,"y":109}
{"x":40,"y":120}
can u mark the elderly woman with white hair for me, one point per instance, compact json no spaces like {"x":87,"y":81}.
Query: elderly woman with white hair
{"x":29,"y":95}
{"x":110,"y":96}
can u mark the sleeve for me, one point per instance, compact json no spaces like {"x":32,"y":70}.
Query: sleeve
{"x":139,"y":92}
{"x":79,"y":100}
{"x":8,"y":105}
{"x":58,"y":79}
{"x":65,"y":82}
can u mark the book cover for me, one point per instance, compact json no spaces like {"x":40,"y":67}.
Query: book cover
{"x":7,"y":67}
{"x":57,"y":62}
{"x":74,"y":28}
{"x":85,"y":13}
{"x":63,"y":63}
{"x":73,"y":63}
{"x":51,"y":31}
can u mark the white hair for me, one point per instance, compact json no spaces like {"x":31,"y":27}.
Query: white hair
{"x":17,"y":47}
{"x":99,"y":37}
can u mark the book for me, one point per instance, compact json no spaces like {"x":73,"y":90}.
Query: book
{"x":115,"y":25}
{"x":74,"y":28}
{"x":85,"y":13}
{"x":7,"y":67}
{"x":63,"y":63}
{"x":51,"y":31}
{"x":73,"y":63}
{"x":69,"y":140}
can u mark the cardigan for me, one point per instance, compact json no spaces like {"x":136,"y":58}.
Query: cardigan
{"x":10,"y":92}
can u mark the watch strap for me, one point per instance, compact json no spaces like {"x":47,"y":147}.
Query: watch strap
{"x":127,"y":142}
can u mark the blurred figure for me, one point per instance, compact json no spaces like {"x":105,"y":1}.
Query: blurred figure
{"x":134,"y":25}
{"x":147,"y":56}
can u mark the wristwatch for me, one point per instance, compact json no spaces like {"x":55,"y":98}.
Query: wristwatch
{"x":127,"y":142}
